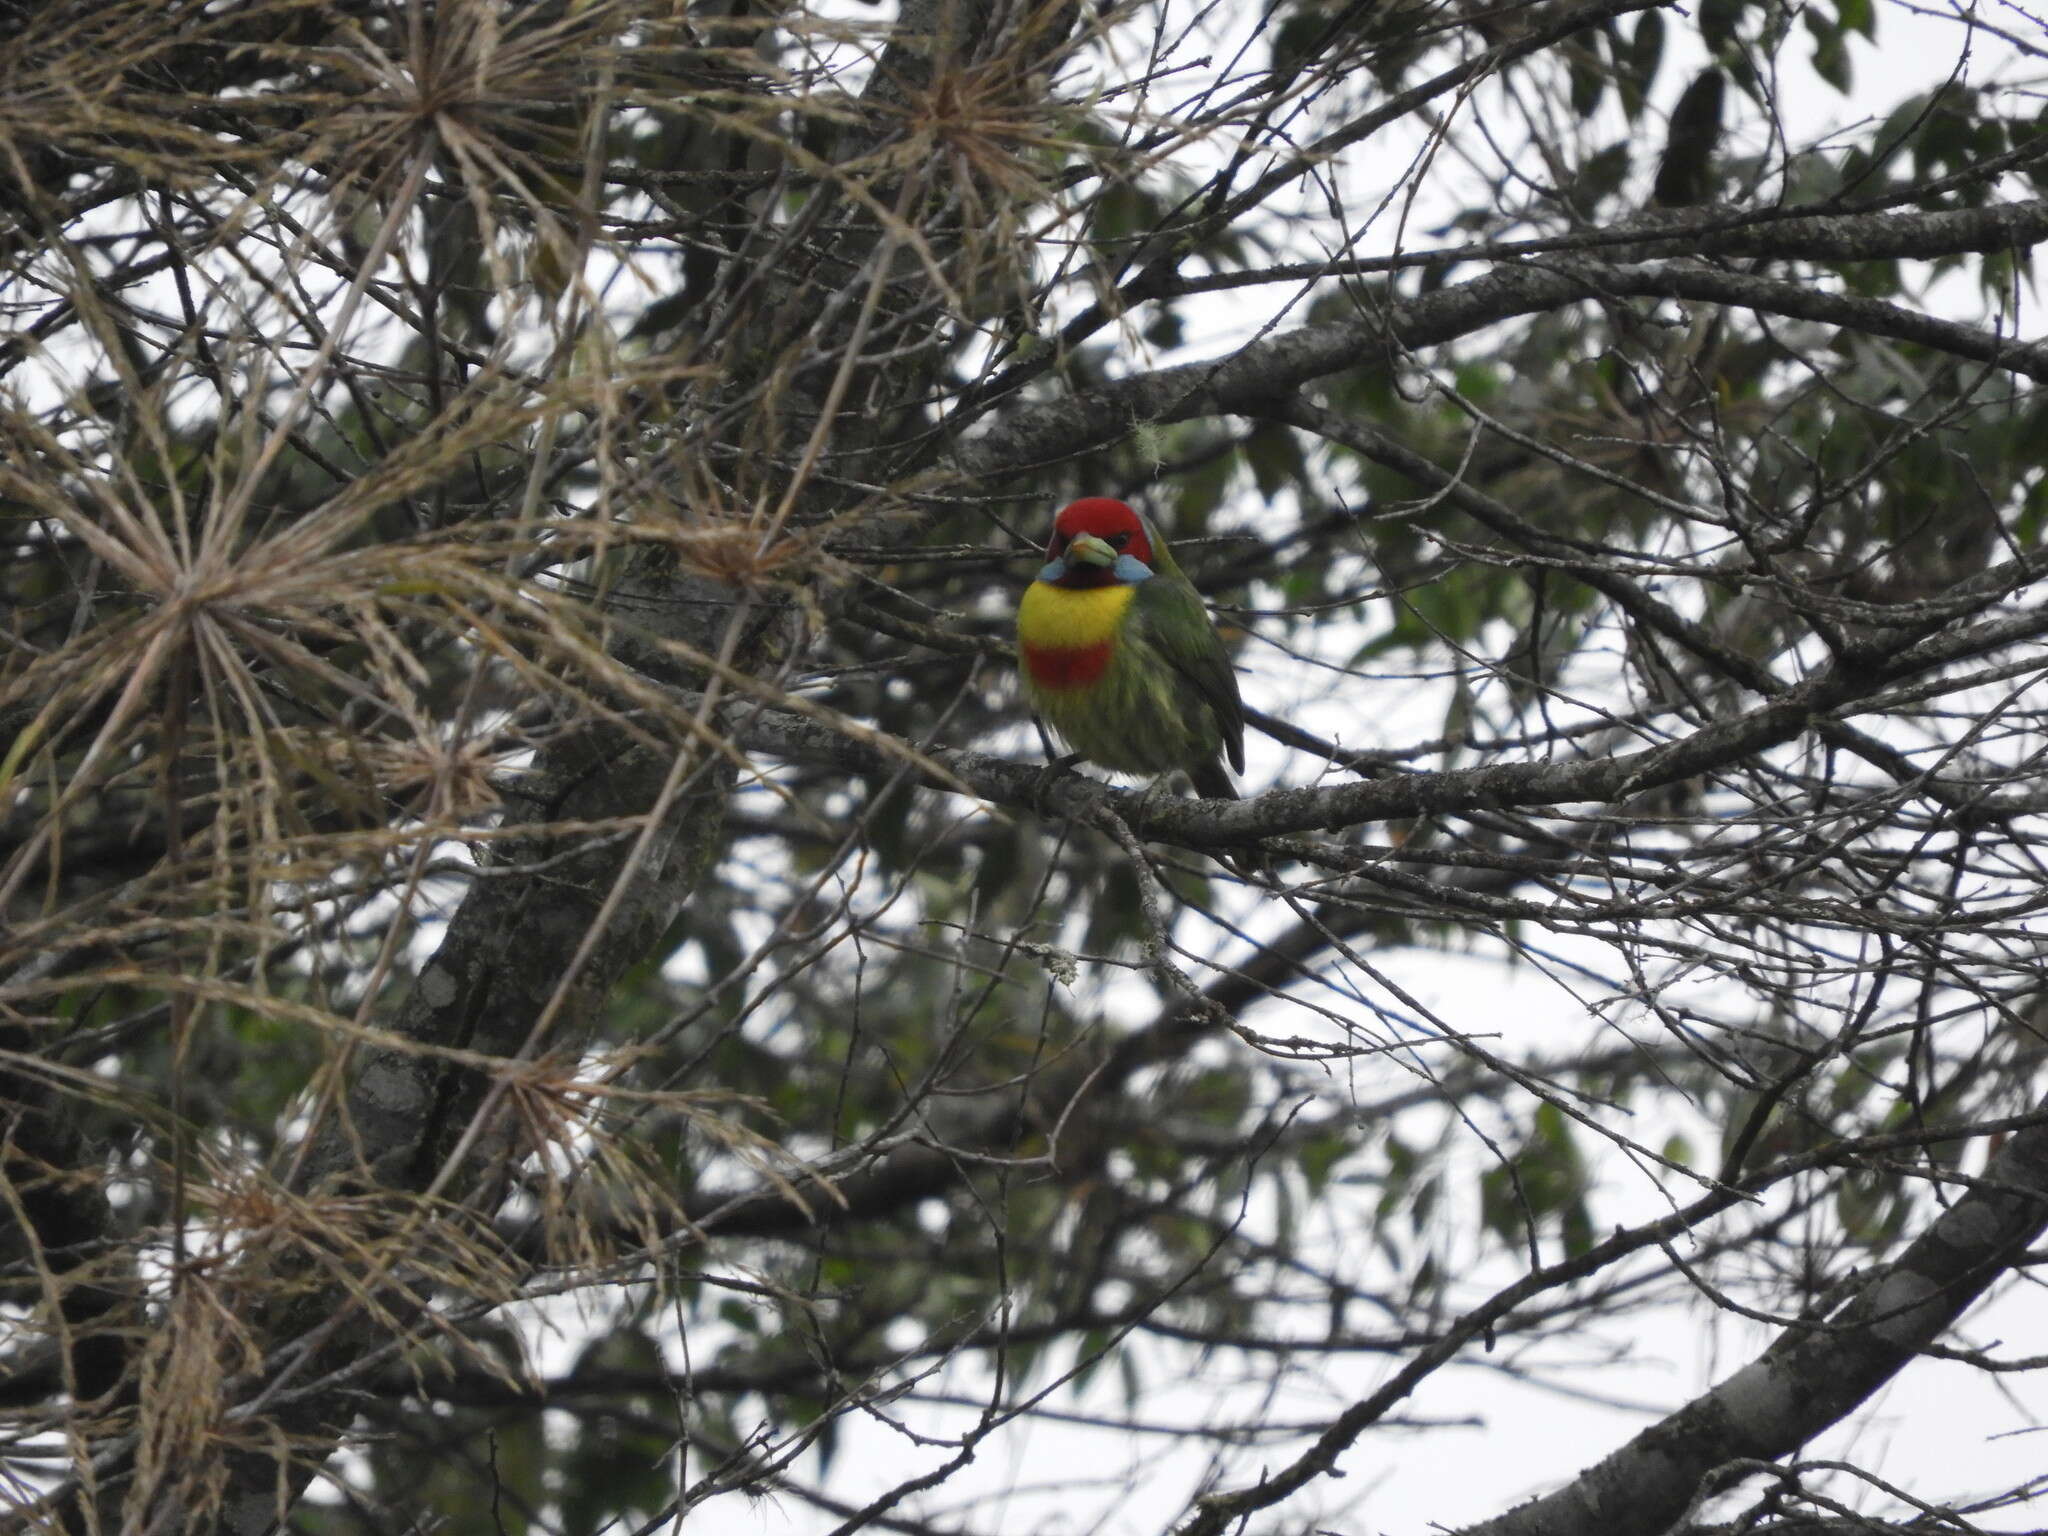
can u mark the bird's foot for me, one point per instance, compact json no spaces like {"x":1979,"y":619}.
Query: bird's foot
{"x":1162,"y":784}
{"x":1049,"y":776}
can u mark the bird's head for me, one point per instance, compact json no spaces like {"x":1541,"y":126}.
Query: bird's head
{"x":1096,"y":542}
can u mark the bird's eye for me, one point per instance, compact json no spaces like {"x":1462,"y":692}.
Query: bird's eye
{"x":1119,"y":540}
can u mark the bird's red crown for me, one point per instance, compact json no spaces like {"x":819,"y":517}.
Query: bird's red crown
{"x":1105,"y":517}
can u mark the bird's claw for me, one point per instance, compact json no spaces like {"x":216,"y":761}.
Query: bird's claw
{"x":1047,"y":777}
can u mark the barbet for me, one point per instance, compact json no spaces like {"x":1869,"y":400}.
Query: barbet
{"x":1119,"y":657}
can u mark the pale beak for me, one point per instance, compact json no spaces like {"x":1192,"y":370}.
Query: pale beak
{"x":1089,"y":550}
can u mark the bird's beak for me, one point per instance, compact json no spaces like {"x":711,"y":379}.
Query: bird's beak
{"x":1089,"y":550}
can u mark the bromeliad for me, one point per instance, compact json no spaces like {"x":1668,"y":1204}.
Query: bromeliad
{"x":1119,"y":657}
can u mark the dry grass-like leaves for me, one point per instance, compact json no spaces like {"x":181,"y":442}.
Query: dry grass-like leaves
{"x":344,"y":496}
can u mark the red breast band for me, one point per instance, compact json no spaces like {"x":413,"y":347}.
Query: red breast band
{"x":1062,"y":667}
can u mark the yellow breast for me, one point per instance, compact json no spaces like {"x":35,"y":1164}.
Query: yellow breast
{"x":1071,"y":618}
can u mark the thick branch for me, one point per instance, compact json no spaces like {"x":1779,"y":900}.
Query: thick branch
{"x":1802,"y":301}
{"x":1803,"y":1383}
{"x":1252,"y":379}
{"x":1812,"y":1375}
{"x":1835,"y":691}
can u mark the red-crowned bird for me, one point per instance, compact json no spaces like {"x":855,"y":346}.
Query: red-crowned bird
{"x":1119,"y":657}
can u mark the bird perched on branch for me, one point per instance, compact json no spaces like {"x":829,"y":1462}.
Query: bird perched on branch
{"x":1119,"y":657}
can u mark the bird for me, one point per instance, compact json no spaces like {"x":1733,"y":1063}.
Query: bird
{"x":1118,"y":655}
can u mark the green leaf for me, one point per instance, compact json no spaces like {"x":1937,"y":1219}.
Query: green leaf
{"x":1718,"y":22}
{"x":1588,"y":74}
{"x":1319,"y":1157}
{"x":1274,"y":454}
{"x":1830,"y":52}
{"x":1645,"y":54}
{"x":1601,"y":177}
{"x":1577,"y":1230}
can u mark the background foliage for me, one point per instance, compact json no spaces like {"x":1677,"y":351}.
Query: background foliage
{"x":541,"y":988}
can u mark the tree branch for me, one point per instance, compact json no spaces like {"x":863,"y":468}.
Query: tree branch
{"x":1807,"y":1380}
{"x":1252,"y":379}
{"x":1812,"y":1375}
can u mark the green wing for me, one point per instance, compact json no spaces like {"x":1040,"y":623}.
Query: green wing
{"x":1179,"y":628}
